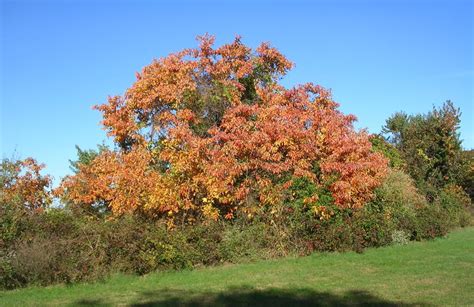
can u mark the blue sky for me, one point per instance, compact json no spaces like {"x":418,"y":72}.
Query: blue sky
{"x":58,"y":58}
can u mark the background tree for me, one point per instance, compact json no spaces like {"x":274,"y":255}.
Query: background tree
{"x":430,"y":145}
{"x":85,"y":157}
{"x":380,"y":144}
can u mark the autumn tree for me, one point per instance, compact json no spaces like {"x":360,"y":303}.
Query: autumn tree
{"x":22,"y":185}
{"x":209,"y":132}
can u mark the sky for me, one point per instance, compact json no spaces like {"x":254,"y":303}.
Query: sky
{"x":59,"y":58}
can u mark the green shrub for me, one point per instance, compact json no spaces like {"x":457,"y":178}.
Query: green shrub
{"x":431,"y":222}
{"x":61,"y":246}
{"x":7,"y":271}
{"x":399,"y":199}
{"x":457,"y":205}
{"x":379,"y":144}
{"x":370,"y":229}
{"x":13,"y":222}
{"x":246,"y":242}
{"x":400,"y":237}
{"x":350,"y":230}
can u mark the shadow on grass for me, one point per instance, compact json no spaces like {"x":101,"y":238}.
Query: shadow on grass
{"x":254,"y":297}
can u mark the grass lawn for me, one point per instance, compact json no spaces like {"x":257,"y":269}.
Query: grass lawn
{"x":439,"y":272}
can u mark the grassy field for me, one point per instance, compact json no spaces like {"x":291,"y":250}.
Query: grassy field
{"x":439,"y":272}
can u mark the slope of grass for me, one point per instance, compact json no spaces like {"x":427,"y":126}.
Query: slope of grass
{"x":439,"y":272}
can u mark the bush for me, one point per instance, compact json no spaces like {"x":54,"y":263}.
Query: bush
{"x":12,"y":220}
{"x":61,"y":246}
{"x":431,"y":222}
{"x":407,"y":210}
{"x":349,"y":230}
{"x":399,"y":199}
{"x":379,"y":144}
{"x":456,"y":203}
{"x":400,"y":237}
{"x":58,"y":247}
{"x":7,"y":272}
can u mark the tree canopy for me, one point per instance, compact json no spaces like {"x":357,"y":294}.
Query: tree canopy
{"x":210,"y":132}
{"x":430,"y":145}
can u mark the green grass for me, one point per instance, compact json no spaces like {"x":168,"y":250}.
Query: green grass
{"x":439,"y":272}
